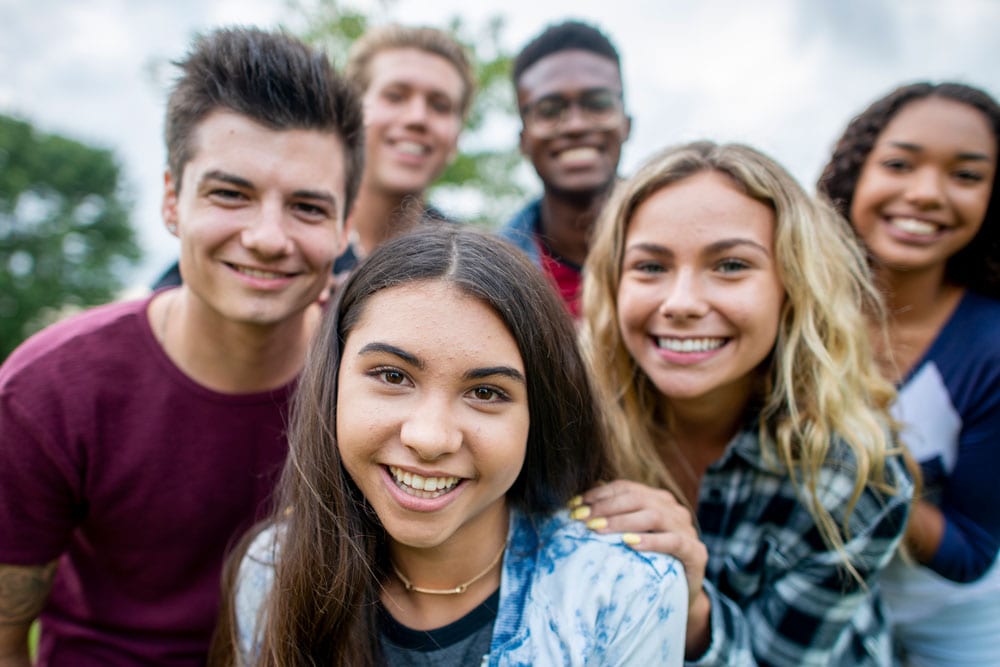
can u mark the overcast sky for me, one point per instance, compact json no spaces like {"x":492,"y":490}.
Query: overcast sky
{"x":782,"y":75}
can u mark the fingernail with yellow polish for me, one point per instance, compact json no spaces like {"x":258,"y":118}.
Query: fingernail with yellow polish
{"x":581,"y":512}
{"x":575,"y":501}
{"x":631,"y":539}
{"x":597,"y":523}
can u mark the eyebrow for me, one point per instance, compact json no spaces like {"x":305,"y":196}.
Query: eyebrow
{"x":239,"y":181}
{"x":717,"y":247}
{"x":416,"y":362}
{"x":917,"y":148}
{"x":505,"y":371}
{"x":376,"y":347}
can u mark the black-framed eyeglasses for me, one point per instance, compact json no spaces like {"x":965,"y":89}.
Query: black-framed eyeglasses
{"x":599,"y":106}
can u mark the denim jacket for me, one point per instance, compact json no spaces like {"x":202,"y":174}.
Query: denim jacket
{"x":522,"y":228}
{"x":568,"y":596}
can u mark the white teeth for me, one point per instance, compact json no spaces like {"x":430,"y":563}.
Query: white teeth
{"x":256,"y":273}
{"x":690,"y":344}
{"x":422,"y":487}
{"x":578,"y":154}
{"x":914,"y":226}
{"x":411,"y":148}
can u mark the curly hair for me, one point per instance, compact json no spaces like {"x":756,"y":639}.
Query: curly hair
{"x":977,"y":265}
{"x":819,"y":386}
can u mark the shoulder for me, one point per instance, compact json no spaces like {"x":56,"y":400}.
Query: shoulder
{"x":881,"y":509}
{"x":79,"y":341}
{"x":253,"y":585}
{"x":523,"y":223}
{"x":972,"y":330}
{"x":590,"y":564}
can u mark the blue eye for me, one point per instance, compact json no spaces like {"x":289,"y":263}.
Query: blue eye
{"x":732,"y":265}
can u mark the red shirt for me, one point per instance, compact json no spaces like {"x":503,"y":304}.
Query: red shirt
{"x":566,"y":276}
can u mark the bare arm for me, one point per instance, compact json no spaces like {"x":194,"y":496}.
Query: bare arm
{"x":23,"y":591}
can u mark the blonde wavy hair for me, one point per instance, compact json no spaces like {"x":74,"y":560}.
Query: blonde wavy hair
{"x":820,"y":384}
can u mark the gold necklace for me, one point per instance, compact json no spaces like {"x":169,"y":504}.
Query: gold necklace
{"x":461,"y":588}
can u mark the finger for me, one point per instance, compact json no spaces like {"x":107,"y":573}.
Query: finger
{"x":644,"y":520}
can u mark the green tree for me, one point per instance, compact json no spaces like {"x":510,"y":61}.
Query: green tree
{"x":481,"y":170}
{"x":65,"y":237}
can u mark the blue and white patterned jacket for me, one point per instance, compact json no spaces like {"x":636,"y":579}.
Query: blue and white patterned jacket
{"x":568,"y":596}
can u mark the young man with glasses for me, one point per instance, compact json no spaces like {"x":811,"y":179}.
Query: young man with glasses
{"x":569,"y":92}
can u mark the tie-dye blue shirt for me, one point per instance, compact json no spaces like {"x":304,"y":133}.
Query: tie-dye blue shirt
{"x":568,"y":596}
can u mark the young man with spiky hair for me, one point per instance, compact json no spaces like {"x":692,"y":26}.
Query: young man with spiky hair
{"x":140,"y":439}
{"x":569,"y":91}
{"x":416,"y":85}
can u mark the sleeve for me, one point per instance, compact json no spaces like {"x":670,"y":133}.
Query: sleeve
{"x":970,"y":498}
{"x":801,"y":614}
{"x":730,"y":644}
{"x":40,"y":498}
{"x":651,"y":619}
{"x":253,"y":584}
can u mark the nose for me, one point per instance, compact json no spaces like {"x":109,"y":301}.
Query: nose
{"x":430,"y":429}
{"x":416,"y":110}
{"x":684,"y":297}
{"x":574,"y":119}
{"x":924,"y":187}
{"x":265,"y":234}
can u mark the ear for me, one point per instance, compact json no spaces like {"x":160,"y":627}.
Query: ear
{"x":521,"y":142}
{"x":628,"y":129}
{"x":168,"y":207}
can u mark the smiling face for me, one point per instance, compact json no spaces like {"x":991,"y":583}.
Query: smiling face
{"x":924,"y":189}
{"x":413,"y":117}
{"x":259,"y":214}
{"x":700,"y":298}
{"x":432,"y":414}
{"x":580,"y":154}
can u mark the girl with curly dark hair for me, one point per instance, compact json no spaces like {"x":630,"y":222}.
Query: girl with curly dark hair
{"x":916,"y":175}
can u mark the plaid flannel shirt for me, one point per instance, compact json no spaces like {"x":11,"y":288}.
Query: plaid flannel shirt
{"x":779,"y":595}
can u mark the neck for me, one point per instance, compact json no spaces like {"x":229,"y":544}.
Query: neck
{"x":461,"y":559}
{"x":567,"y":222}
{"x":225,"y":356}
{"x":910,"y":295}
{"x":378,"y":216}
{"x":697,"y":437}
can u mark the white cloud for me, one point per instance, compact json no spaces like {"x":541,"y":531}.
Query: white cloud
{"x":785,"y":75}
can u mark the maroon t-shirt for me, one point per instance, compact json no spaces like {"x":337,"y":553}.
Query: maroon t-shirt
{"x":136,"y":478}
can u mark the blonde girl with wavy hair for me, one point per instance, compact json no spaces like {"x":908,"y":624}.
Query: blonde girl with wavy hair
{"x":726,"y":323}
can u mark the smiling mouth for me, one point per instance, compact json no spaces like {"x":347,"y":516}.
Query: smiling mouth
{"x":690,"y":344}
{"x":915,"y":227}
{"x":580,"y":154}
{"x":422,"y":487}
{"x":258,"y":273}
{"x":411,"y":148}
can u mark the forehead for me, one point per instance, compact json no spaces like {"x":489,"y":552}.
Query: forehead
{"x":289,"y":159}
{"x":701,"y":209}
{"x":568,"y":72}
{"x":942,"y":121}
{"x":437,"y":321}
{"x":414,"y":67}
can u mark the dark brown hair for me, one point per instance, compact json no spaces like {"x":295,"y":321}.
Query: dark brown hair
{"x":321,"y":609}
{"x":977,"y":265}
{"x":271,"y":78}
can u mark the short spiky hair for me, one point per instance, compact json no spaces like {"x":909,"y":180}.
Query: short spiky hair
{"x":563,"y":37}
{"x":271,"y":78}
{"x":977,"y":265}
